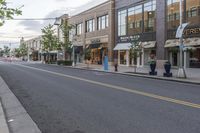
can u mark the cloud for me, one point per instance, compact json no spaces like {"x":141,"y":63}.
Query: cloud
{"x":37,"y":25}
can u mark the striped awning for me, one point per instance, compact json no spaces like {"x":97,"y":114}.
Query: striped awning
{"x":187,"y":42}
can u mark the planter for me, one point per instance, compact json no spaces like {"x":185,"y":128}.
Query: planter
{"x":167,"y":67}
{"x":153,"y":68}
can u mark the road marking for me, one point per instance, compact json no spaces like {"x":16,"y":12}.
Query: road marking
{"x":163,"y":98}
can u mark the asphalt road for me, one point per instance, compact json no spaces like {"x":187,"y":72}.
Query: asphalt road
{"x":66,"y":100}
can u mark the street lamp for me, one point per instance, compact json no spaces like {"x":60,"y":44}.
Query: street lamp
{"x":10,"y":52}
{"x":181,"y":70}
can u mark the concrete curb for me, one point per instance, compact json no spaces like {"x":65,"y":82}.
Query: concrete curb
{"x":142,"y":76}
{"x":18,"y":119}
{"x":3,"y":123}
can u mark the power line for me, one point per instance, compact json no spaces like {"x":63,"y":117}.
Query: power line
{"x":32,"y":19}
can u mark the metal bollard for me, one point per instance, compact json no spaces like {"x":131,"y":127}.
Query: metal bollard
{"x":116,"y":69}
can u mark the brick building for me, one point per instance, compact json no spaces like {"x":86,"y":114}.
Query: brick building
{"x":94,"y":30}
{"x":155,"y":23}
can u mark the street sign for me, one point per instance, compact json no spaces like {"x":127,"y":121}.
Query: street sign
{"x":181,"y":46}
{"x":179,"y":32}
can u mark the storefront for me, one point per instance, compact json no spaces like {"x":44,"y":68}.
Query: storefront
{"x":99,"y":49}
{"x":124,"y":58}
{"x":191,"y":34}
{"x":191,"y":52}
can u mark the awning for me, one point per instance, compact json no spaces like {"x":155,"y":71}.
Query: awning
{"x":122,"y":46}
{"x":187,"y":42}
{"x":192,"y":41}
{"x":53,"y":52}
{"x":171,"y":43}
{"x":149,"y":44}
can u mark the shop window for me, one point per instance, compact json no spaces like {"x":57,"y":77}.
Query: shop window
{"x":195,"y":58}
{"x":123,"y":57}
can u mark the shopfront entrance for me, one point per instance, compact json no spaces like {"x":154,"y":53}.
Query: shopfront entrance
{"x":97,"y":53}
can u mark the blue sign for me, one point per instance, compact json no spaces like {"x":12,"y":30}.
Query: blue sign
{"x":106,"y":63}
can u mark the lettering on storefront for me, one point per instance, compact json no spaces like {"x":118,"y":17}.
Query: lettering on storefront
{"x":188,"y":32}
{"x":128,"y":38}
{"x":95,"y":41}
{"x":192,"y":31}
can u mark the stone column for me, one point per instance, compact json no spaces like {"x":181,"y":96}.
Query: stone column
{"x":160,"y":31}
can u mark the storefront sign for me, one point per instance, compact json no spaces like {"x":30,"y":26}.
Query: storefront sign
{"x":128,"y":38}
{"x":190,"y":31}
{"x":95,"y":41}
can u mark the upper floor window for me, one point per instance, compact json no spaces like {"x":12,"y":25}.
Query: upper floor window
{"x":79,"y":29}
{"x":193,"y":11}
{"x":135,"y":20}
{"x":102,"y":22}
{"x":150,"y":16}
{"x":122,"y":22}
{"x":173,"y":11}
{"x":90,"y":27}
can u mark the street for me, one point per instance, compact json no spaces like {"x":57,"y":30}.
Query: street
{"x":67,"y":100}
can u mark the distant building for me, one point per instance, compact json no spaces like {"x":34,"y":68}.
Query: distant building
{"x":34,"y":48}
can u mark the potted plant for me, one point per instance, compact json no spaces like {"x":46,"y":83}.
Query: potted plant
{"x":167,"y":66}
{"x":152,"y":64}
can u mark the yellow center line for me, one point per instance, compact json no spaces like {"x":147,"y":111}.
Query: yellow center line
{"x":163,"y":98}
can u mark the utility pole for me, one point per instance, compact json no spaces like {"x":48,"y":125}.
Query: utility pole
{"x":181,"y":70}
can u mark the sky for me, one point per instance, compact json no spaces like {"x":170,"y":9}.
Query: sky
{"x":13,"y":30}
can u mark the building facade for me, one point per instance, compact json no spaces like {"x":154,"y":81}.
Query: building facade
{"x":34,"y":48}
{"x":155,"y":23}
{"x":94,"y":30}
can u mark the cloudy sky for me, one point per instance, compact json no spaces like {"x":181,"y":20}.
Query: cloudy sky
{"x":13,"y":30}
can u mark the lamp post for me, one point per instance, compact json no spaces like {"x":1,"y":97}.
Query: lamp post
{"x":181,"y":70}
{"x":10,"y":52}
{"x":73,"y":63}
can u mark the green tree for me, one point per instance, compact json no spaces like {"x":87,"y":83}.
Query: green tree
{"x":49,"y":40}
{"x":17,"y":52}
{"x":87,"y":55}
{"x":66,"y":44}
{"x":7,"y":12}
{"x":23,"y":50}
{"x":135,"y":51}
{"x":6,"y":50}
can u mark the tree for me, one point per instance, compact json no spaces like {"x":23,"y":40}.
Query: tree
{"x":17,"y":52}
{"x":7,"y":12}
{"x":23,"y":50}
{"x":49,"y":40}
{"x":87,"y":54}
{"x":6,"y":50}
{"x":135,"y":51}
{"x":66,"y":44}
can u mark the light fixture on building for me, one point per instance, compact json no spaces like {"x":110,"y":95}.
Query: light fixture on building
{"x":57,"y":21}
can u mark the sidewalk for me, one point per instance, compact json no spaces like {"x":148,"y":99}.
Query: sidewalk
{"x":13,"y":116}
{"x":193,"y":74}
